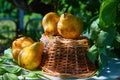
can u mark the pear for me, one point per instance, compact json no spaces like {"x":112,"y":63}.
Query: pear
{"x":70,"y":26}
{"x":19,"y":44}
{"x":49,"y":23}
{"x":30,"y":57}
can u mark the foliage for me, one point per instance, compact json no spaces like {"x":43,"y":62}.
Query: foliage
{"x":104,"y":33}
{"x":7,"y":33}
{"x":7,"y":9}
{"x":8,"y":28}
{"x":33,"y":26}
{"x":9,"y":69}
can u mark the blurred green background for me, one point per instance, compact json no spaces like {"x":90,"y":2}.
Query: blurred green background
{"x":31,"y":19}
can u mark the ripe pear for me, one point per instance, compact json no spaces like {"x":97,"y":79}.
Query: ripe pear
{"x":30,"y":57}
{"x":19,"y":44}
{"x":49,"y":23}
{"x":70,"y":26}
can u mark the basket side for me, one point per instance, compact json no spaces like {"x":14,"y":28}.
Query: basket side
{"x":67,"y":58}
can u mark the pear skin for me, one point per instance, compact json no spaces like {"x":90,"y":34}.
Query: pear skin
{"x":19,"y":44}
{"x":30,"y":57}
{"x":49,"y":23}
{"x":70,"y":26}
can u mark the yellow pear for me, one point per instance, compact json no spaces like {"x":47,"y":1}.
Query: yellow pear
{"x":70,"y":26}
{"x":49,"y":23}
{"x":19,"y":44}
{"x":30,"y":57}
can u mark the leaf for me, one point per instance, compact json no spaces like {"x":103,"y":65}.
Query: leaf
{"x":94,"y":29}
{"x":31,"y":75}
{"x":30,"y":1}
{"x":11,"y":68}
{"x":2,"y":71}
{"x":51,"y":37}
{"x":46,"y":1}
{"x":8,"y":53}
{"x":103,"y":51}
{"x":41,"y":75}
{"x":106,"y":37}
{"x":101,"y":38}
{"x":103,"y":60}
{"x":93,"y":53}
{"x":107,"y":14}
{"x":36,"y":74}
{"x":9,"y":76}
{"x":118,"y":38}
{"x":35,"y":15}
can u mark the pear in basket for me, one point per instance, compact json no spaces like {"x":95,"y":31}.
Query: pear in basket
{"x":70,"y":26}
{"x":49,"y":23}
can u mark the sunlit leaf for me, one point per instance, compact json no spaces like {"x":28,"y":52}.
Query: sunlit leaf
{"x":31,"y":75}
{"x":36,"y":74}
{"x":46,"y":1}
{"x":8,"y":53}
{"x":107,"y":14}
{"x":94,"y":29}
{"x":93,"y":53}
{"x":29,"y":1}
{"x":9,"y":76}
{"x":118,"y":38}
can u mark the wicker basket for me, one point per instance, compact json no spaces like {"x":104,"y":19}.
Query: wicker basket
{"x":66,"y":57}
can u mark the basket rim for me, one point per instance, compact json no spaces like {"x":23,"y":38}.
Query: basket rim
{"x":68,"y":75}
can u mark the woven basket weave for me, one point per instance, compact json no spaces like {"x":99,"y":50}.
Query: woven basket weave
{"x":66,"y":57}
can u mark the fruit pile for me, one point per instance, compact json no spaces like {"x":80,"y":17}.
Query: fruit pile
{"x":66,"y":25}
{"x":28,"y":53}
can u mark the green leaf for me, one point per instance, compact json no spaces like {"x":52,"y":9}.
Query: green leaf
{"x":93,"y":53}
{"x":100,"y":65}
{"x":107,"y":14}
{"x":36,"y":74}
{"x":106,"y":37}
{"x":31,"y":75}
{"x":118,"y":38}
{"x":103,"y":60}
{"x":51,"y":37}
{"x":35,"y":15}
{"x":8,"y":53}
{"x":41,"y":75}
{"x":30,"y":1}
{"x":94,"y":29}
{"x":46,"y":1}
{"x":11,"y":68}
{"x":2,"y":71}
{"x":103,"y":51}
{"x":9,"y":76}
